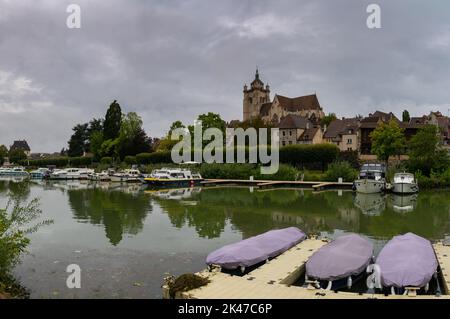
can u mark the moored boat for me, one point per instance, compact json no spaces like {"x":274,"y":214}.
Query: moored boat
{"x":252,"y":251}
{"x":127,"y":176}
{"x":170,"y":177}
{"x":405,"y":183}
{"x":339,"y":263}
{"x":40,"y":173}
{"x":13,"y":171}
{"x":371,"y":179}
{"x":407,"y":262}
{"x":99,"y":177}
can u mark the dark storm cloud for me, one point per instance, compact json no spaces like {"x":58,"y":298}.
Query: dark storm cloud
{"x":172,"y":60}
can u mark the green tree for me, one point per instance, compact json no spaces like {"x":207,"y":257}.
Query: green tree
{"x":405,"y":116}
{"x":3,"y":154}
{"x":209,"y":120}
{"x":113,"y":120}
{"x":175,"y":125}
{"x":327,"y":119}
{"x":96,"y":141}
{"x":425,"y":151}
{"x":78,"y":142}
{"x":17,"y":155}
{"x":387,"y":140}
{"x":132,"y":137}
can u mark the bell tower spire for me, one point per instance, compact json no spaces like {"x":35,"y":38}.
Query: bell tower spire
{"x":255,"y":97}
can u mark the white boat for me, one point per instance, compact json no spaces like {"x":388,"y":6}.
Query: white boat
{"x":404,"y":203}
{"x":103,"y":176}
{"x":13,"y":171}
{"x":404,"y":183}
{"x":127,"y":176}
{"x":371,"y":179}
{"x":71,"y":173}
{"x":40,"y":173}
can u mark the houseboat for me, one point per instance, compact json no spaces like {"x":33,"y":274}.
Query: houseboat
{"x":371,"y":179}
{"x":173,"y":177}
{"x":405,"y":183}
{"x":13,"y":171}
{"x":127,"y":176}
{"x":40,"y":173}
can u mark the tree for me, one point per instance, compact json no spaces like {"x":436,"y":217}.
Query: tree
{"x":132,"y":137}
{"x":113,"y":120}
{"x":387,"y":140}
{"x":17,"y":155}
{"x":209,"y":120}
{"x":78,"y":141}
{"x":405,"y":116}
{"x":327,"y":119}
{"x":3,"y":154}
{"x":175,"y":125}
{"x":425,"y":152}
{"x":96,"y":141}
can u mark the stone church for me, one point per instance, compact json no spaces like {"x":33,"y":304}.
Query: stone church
{"x":257,"y":104}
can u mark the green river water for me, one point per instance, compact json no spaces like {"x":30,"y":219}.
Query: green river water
{"x":126,"y":238}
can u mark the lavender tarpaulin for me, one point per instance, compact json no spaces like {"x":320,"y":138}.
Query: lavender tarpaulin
{"x":407,"y":260}
{"x":256,"y":249}
{"x":345,"y":256}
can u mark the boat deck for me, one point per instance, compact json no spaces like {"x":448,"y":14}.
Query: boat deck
{"x":273,"y":280}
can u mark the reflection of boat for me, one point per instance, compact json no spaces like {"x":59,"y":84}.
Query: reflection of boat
{"x":371,"y":179}
{"x":127,"y":176}
{"x":404,"y":183}
{"x":176,"y":194}
{"x":340,"y":263}
{"x":13,"y":171}
{"x":255,"y":250}
{"x":170,"y":177}
{"x":16,"y":179}
{"x":403,"y":203}
{"x":370,"y":204}
{"x":407,"y":262}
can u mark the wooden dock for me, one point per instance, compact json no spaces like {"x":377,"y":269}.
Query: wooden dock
{"x":274,"y":280}
{"x":317,"y":186}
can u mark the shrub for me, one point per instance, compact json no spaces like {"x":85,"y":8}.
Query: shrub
{"x":228,"y":171}
{"x":341,"y":169}
{"x":351,"y":157}
{"x":285,"y":173}
{"x":130,"y":160}
{"x":106,"y":160}
{"x":143,"y":158}
{"x":302,"y":155}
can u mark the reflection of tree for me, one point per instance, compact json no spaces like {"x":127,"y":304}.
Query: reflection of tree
{"x":254,"y":213}
{"x":118,"y":211}
{"x":17,"y":190}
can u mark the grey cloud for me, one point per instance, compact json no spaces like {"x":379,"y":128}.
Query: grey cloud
{"x":171,"y":60}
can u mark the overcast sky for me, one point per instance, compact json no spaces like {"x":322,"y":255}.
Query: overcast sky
{"x":173,"y":60}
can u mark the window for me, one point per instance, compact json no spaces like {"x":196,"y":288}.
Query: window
{"x":349,"y":141}
{"x":290,"y":133}
{"x":284,"y":133}
{"x":349,"y":149}
{"x":284,"y":143}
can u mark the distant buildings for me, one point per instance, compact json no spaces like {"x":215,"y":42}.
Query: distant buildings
{"x":21,"y":145}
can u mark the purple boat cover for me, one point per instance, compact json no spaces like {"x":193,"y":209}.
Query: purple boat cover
{"x":256,"y":249}
{"x":407,"y":261}
{"x":345,"y":256}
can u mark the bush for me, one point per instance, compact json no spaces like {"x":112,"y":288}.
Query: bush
{"x":160,"y":157}
{"x":106,"y":161}
{"x":285,"y":173}
{"x":130,"y":160}
{"x":351,"y":157}
{"x":304,"y":155}
{"x":228,"y":171}
{"x":143,"y":158}
{"x":341,"y":169}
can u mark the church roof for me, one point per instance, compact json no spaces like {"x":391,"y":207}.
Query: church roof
{"x":307,"y":102}
{"x":264,"y":110}
{"x":20,"y":145}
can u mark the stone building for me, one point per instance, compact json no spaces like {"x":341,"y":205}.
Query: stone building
{"x":21,"y":145}
{"x":344,"y":133}
{"x":295,"y":129}
{"x":257,"y":103}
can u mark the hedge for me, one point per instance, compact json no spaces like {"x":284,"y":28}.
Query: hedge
{"x":106,"y":160}
{"x":154,"y":158}
{"x":302,"y":155}
{"x":58,"y":161}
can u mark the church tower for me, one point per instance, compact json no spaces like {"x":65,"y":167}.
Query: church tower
{"x":255,"y":97}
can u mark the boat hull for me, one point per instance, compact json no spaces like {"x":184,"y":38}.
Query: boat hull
{"x":169,"y":183}
{"x":125,"y":179}
{"x":405,"y":188}
{"x":369,"y":186}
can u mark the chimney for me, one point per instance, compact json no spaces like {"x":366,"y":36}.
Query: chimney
{"x":307,"y":125}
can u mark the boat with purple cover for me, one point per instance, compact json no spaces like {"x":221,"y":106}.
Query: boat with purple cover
{"x":407,"y":262}
{"x":255,"y":250}
{"x":339,"y":263}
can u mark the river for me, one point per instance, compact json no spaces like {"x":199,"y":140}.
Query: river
{"x":125,"y":238}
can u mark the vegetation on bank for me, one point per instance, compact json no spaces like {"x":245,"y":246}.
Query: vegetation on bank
{"x":15,"y":220}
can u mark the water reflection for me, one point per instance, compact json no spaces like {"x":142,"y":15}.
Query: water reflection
{"x":403,"y":203}
{"x":371,"y":204}
{"x":120,"y":208}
